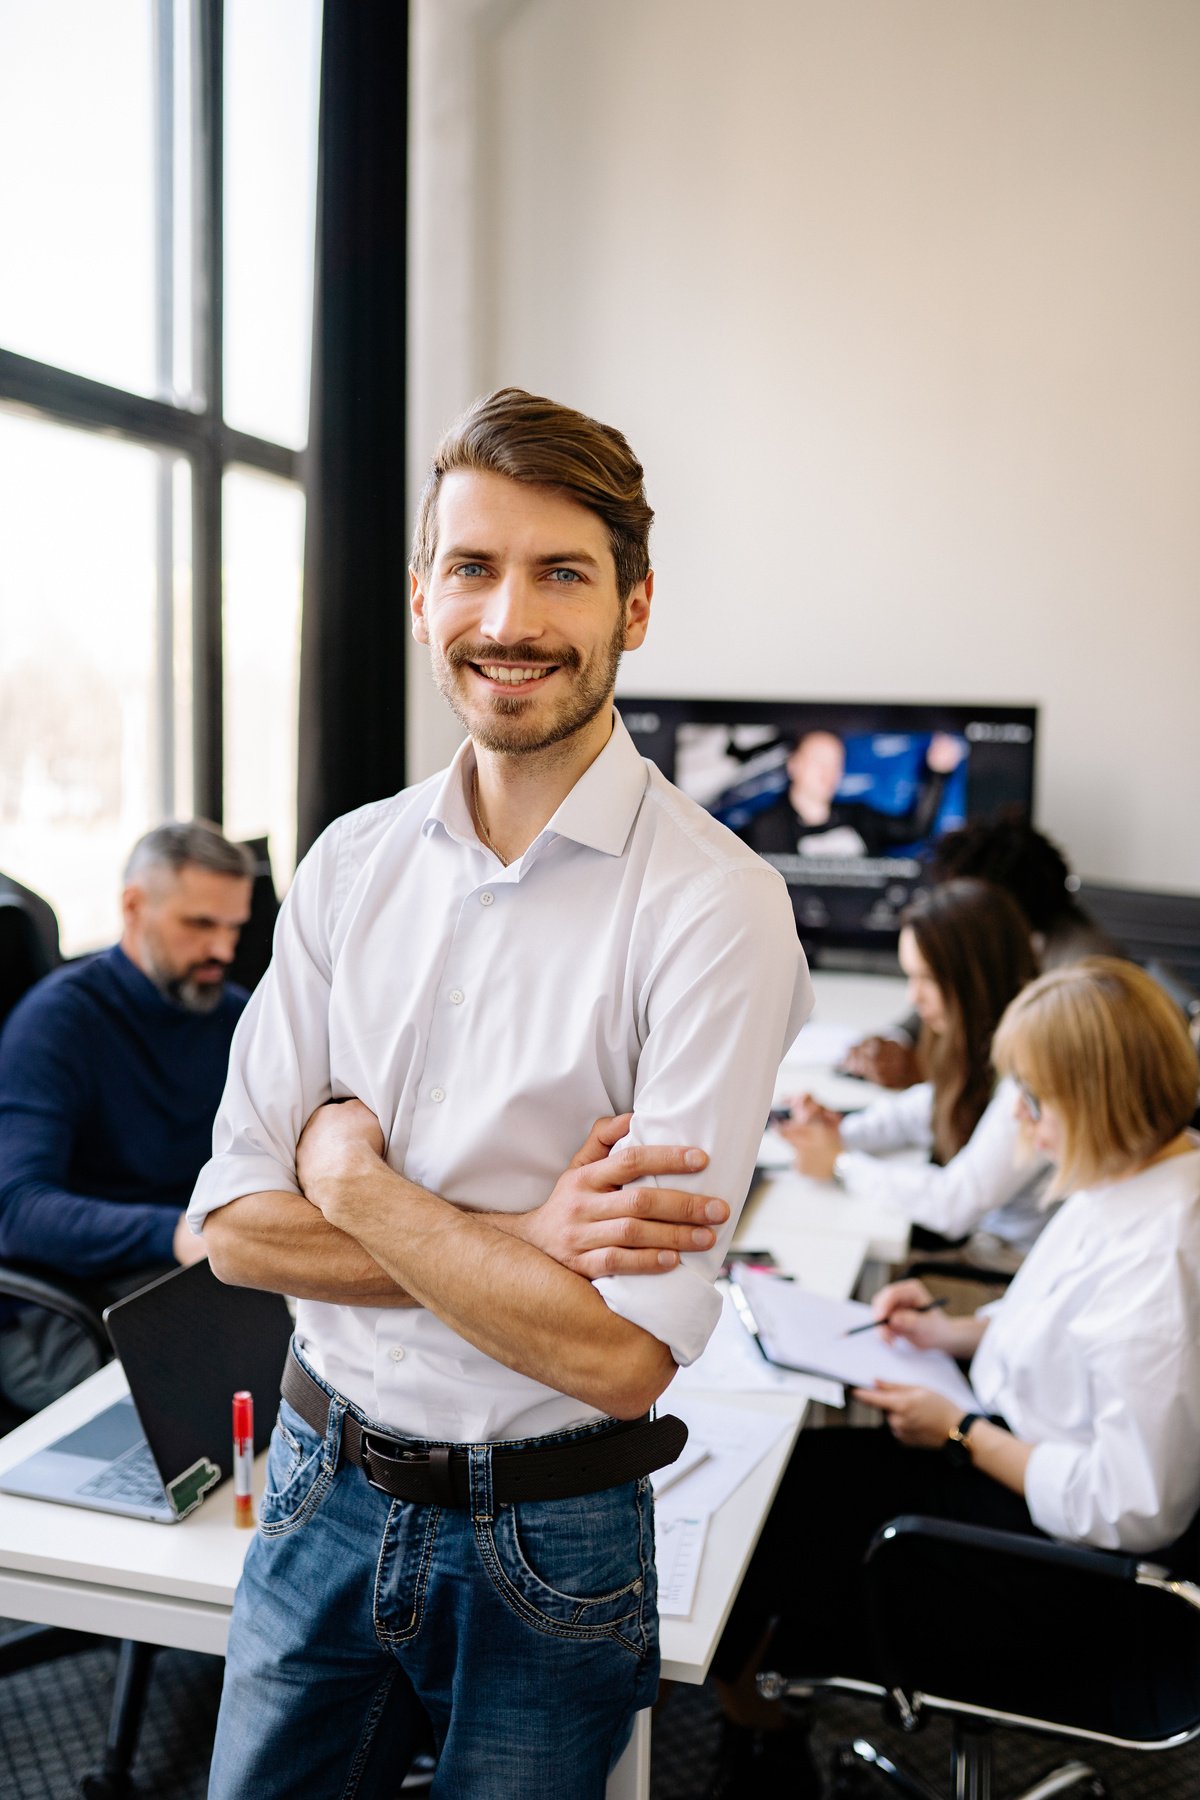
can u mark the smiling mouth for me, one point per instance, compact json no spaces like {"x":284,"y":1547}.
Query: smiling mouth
{"x":514,"y":674}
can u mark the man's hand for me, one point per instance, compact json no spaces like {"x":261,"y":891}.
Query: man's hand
{"x":917,"y":1417}
{"x":186,"y":1247}
{"x":341,"y":1137}
{"x":884,"y":1061}
{"x":596,"y":1224}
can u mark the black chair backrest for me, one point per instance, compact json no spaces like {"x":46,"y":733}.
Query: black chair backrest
{"x":23,"y":958}
{"x":254,"y":944}
{"x":1125,"y":1658}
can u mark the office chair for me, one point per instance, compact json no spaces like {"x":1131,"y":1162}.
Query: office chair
{"x":1122,"y":1635}
{"x":23,"y":955}
{"x":254,"y":944}
{"x":30,"y":1645}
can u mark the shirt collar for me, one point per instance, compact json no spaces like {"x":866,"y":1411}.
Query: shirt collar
{"x":598,"y":812}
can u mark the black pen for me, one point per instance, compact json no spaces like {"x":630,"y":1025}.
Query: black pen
{"x":929,"y":1306}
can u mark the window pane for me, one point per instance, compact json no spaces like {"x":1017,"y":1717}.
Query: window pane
{"x":77,"y":186}
{"x":80,"y":714}
{"x":264,"y":551}
{"x":271,"y":65}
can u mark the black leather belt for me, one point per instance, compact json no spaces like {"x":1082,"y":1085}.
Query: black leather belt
{"x":440,"y":1476}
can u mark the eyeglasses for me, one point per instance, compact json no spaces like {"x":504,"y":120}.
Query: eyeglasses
{"x":1029,"y":1100}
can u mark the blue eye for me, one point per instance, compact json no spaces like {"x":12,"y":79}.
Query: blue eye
{"x":469,"y":569}
{"x":565,"y":577}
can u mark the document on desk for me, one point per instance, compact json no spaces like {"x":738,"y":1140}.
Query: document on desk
{"x":726,"y":1444}
{"x":731,"y":1362}
{"x":801,"y":1330}
{"x":678,"y":1551}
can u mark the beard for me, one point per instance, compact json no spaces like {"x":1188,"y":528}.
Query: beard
{"x":515,"y":725}
{"x":183,"y":989}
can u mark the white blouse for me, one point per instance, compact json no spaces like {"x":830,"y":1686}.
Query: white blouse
{"x":996,"y":1183}
{"x":1093,"y":1356}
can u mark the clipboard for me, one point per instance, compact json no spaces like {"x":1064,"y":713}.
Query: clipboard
{"x":806,"y":1332}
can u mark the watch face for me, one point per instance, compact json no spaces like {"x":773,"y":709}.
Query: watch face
{"x":958,"y":1452}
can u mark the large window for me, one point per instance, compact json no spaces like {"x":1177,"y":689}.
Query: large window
{"x":157,"y":181}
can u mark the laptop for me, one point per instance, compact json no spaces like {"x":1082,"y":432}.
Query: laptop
{"x":187,"y":1343}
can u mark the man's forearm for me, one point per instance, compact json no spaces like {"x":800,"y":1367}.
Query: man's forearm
{"x":279,"y":1242}
{"x":501,"y":1294}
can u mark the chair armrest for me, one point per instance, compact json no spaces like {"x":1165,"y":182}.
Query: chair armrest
{"x":1105,"y":1565}
{"x":55,"y":1295}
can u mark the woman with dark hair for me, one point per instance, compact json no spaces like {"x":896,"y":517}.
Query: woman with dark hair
{"x":966,"y":951}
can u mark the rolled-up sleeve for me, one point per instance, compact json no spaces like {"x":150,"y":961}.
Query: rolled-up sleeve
{"x":726,"y":996}
{"x":279,"y":1062}
{"x":1133,"y":1486}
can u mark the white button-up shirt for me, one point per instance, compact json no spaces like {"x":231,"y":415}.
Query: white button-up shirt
{"x":637,"y":957}
{"x":1093,"y":1356}
{"x":996,"y":1182}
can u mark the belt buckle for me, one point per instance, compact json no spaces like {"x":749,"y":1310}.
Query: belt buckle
{"x":435,"y":1462}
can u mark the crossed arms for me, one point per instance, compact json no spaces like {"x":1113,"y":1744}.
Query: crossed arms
{"x":516,"y":1285}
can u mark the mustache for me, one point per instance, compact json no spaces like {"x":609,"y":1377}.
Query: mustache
{"x":460,"y":654}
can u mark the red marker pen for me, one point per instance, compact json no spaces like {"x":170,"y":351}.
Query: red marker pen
{"x":243,"y":1457}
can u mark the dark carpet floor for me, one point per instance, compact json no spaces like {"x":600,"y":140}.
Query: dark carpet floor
{"x":53,"y":1719}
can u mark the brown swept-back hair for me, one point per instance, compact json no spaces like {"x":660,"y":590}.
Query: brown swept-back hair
{"x":537,"y":441}
{"x":975,"y":939}
{"x":1103,"y":1045}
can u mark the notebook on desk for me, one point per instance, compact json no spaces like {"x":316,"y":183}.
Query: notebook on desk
{"x":187,"y":1344}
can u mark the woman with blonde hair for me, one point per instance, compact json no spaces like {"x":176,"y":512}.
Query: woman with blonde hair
{"x":1086,"y":1372}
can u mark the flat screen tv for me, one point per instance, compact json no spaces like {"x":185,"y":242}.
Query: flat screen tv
{"x":845,"y":798}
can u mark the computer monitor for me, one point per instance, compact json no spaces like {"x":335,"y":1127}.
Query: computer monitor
{"x":845,"y":798}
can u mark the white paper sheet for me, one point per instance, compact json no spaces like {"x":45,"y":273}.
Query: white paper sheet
{"x":678,"y":1551}
{"x":807,"y":1331}
{"x":736,"y":1442}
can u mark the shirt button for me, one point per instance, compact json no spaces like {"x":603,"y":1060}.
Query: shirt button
{"x":437,"y":1095}
{"x":397,"y":1352}
{"x":456,"y":996}
{"x":486,"y":898}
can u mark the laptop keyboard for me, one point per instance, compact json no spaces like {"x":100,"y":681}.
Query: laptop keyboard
{"x":132,"y":1477}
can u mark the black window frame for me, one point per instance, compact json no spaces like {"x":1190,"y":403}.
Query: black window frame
{"x":195,"y":430}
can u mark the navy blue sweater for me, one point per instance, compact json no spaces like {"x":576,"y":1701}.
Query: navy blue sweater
{"x":107,"y":1097}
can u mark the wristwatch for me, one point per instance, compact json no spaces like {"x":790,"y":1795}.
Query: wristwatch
{"x":956,"y":1445}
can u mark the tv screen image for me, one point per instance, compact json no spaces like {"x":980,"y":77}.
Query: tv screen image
{"x":845,"y":798}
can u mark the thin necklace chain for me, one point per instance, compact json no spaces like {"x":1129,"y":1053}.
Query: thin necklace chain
{"x":480,"y":827}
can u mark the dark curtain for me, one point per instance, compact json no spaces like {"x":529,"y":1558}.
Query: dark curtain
{"x":355,"y":627}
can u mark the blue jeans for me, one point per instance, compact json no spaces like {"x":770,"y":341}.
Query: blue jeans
{"x":526,"y":1633}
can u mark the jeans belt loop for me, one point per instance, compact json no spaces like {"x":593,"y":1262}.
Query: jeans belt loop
{"x":479,"y":1458}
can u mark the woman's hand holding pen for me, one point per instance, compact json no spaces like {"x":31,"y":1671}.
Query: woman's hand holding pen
{"x":814,"y":1133}
{"x":907,"y":1310}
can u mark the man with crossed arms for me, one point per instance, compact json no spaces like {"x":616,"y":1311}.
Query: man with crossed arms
{"x":458,"y":1519}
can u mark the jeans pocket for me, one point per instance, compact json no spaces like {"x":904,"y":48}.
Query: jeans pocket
{"x":297,"y":1475}
{"x":576,"y":1568}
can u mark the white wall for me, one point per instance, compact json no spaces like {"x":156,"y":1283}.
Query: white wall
{"x":898,"y":301}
